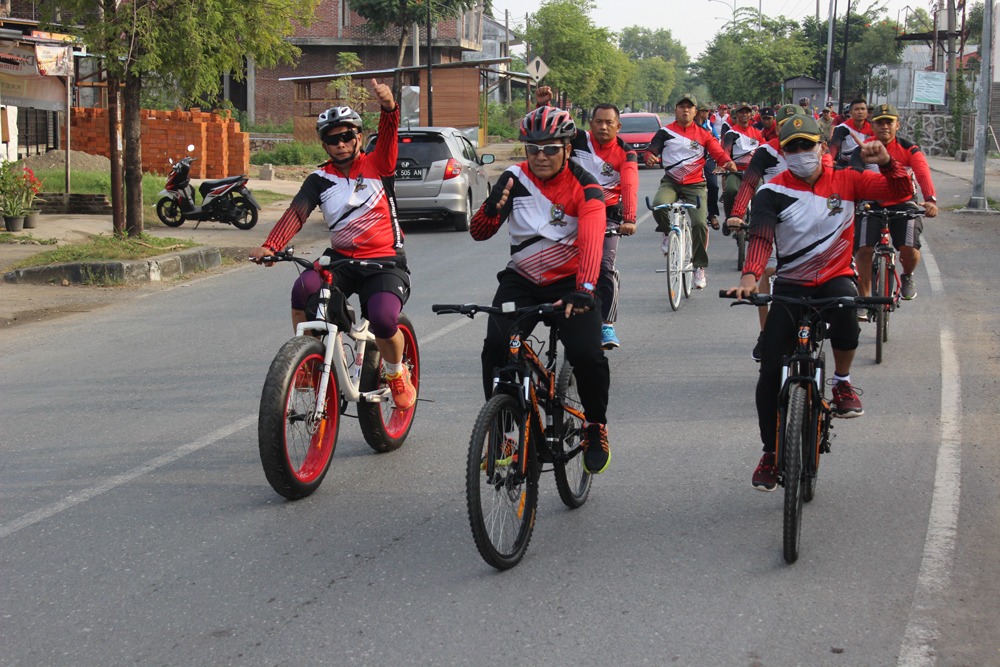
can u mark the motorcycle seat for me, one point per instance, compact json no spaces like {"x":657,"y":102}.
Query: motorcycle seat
{"x":208,"y":186}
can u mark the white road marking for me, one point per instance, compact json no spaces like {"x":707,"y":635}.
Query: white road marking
{"x":113,"y":482}
{"x":917,"y":649}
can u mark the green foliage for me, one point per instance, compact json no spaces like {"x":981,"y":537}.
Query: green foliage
{"x":292,"y":153}
{"x":640,"y":43}
{"x":269,"y":127}
{"x":654,"y":81}
{"x":504,"y":119}
{"x":398,"y":16}
{"x":350,"y":92}
{"x":103,"y":247}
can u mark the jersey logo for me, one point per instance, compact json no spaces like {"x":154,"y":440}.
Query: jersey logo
{"x":556,"y":214}
{"x":833,"y":203}
{"x":694,"y":144}
{"x":360,"y":184}
{"x":607,"y":170}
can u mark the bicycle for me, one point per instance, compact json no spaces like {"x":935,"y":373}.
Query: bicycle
{"x":679,"y":269}
{"x":885,"y":277}
{"x":534,"y":417}
{"x":331,"y":361}
{"x":740,"y":234}
{"x":804,"y":411}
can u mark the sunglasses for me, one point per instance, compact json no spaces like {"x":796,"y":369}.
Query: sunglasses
{"x":798,"y":145}
{"x":551,"y":150}
{"x":342,"y":138}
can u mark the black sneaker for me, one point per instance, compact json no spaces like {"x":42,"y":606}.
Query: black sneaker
{"x":596,"y":449}
{"x":907,"y":289}
{"x":755,"y":355}
{"x":765,"y":477}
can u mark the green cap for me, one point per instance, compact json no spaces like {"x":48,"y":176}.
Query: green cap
{"x":787,"y":111}
{"x":799,"y":126}
{"x":884,"y":111}
{"x":741,"y":106}
{"x":689,"y":97}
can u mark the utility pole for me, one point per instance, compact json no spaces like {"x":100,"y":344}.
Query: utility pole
{"x":430,"y":84}
{"x":829,"y":51}
{"x":843,"y":62}
{"x":506,"y":38}
{"x":977,"y":201}
{"x":952,"y":69}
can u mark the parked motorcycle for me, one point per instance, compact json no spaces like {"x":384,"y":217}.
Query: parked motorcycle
{"x":226,"y":200}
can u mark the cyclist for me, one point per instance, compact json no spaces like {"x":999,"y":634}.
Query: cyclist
{"x":826,"y":122}
{"x":556,"y":219}
{"x":614,"y":164}
{"x":905,"y":233}
{"x":711,"y":180}
{"x":740,"y":141}
{"x":804,"y":104}
{"x":767,"y":125}
{"x":360,"y":214}
{"x":850,"y":134}
{"x":807,"y":213}
{"x":767,"y":162}
{"x":681,"y":147}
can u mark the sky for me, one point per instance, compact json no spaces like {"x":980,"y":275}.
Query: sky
{"x":693,"y":22}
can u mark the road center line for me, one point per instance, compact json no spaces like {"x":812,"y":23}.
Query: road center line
{"x":84,"y":495}
{"x":917,"y":649}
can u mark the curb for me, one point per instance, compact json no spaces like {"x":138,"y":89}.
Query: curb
{"x":153,"y":269}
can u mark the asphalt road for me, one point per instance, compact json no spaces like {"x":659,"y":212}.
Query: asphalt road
{"x":136,"y":526}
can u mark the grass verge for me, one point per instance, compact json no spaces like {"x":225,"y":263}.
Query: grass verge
{"x":24,"y":239}
{"x":103,"y":248}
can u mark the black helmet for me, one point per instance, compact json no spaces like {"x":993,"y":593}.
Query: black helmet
{"x":335,"y":116}
{"x":547,"y":123}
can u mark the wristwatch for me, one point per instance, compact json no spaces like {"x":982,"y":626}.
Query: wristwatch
{"x":932,"y":200}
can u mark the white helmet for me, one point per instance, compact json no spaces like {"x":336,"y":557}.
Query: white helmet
{"x":335,"y":116}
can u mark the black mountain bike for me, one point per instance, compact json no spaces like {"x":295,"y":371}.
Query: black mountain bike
{"x":534,"y":418}
{"x":804,"y":412}
{"x":885,"y":277}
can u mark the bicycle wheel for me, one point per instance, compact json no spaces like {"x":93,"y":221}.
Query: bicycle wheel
{"x":572,"y":481}
{"x":812,"y":437}
{"x":295,"y":447}
{"x":383,"y":425}
{"x":791,"y":456}
{"x":878,"y":289}
{"x":675,"y":269}
{"x":890,"y":290}
{"x":688,"y":267}
{"x":501,"y":500}
{"x":741,"y":249}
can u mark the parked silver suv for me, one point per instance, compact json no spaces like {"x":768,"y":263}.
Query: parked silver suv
{"x":439,"y":175}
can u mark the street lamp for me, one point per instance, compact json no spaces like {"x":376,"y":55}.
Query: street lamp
{"x":430,"y":103}
{"x":732,"y":6}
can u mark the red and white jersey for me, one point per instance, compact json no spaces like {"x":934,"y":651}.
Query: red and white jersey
{"x":741,"y":142}
{"x":556,"y":226}
{"x":615,"y":167}
{"x":845,"y":140}
{"x":682,"y":152}
{"x":356,"y":207}
{"x":812,"y":228}
{"x":910,"y":156}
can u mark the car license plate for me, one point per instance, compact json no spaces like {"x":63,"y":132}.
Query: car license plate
{"x":409,"y":173}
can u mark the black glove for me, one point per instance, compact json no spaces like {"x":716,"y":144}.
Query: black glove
{"x":580,"y":300}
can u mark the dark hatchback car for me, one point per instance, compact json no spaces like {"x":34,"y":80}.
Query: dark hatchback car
{"x":638,"y":130}
{"x":439,"y":175}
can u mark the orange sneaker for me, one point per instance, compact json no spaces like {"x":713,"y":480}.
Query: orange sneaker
{"x":404,"y":395}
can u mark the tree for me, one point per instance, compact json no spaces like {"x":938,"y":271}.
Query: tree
{"x":640,"y":43}
{"x":400,"y":15}
{"x":562,"y":33}
{"x":654,"y":81}
{"x":345,"y":89}
{"x":195,"y":42}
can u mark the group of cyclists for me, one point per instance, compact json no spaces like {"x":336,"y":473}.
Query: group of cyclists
{"x":576,"y":193}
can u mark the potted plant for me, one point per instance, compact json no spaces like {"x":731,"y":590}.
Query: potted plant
{"x":12,"y":196}
{"x":32,"y":186}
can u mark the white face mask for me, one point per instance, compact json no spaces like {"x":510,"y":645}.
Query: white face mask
{"x":803,"y":163}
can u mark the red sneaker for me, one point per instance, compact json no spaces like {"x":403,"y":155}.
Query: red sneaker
{"x":403,"y":393}
{"x":765,"y":477}
{"x":846,"y":403}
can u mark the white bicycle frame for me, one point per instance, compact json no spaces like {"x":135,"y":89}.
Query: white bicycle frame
{"x":349,"y":381}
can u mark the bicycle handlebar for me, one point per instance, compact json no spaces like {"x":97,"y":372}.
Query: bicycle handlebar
{"x":288,"y":255}
{"x":911,"y":214}
{"x":506,"y":309}
{"x":679,"y":204}
{"x":821,"y":303}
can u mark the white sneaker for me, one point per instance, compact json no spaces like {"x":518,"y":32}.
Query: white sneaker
{"x":665,"y":244}
{"x":699,"y":279}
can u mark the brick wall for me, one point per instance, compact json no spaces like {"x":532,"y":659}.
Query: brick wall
{"x":221,"y":148}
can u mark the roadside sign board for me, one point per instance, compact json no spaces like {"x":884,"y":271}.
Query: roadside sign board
{"x":537,"y":69}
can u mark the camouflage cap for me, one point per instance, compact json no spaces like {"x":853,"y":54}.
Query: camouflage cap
{"x":799,"y":126}
{"x":884,"y":111}
{"x":741,"y":106}
{"x":688,"y":97}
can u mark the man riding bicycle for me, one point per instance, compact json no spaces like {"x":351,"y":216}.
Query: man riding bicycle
{"x":905,"y":232}
{"x":360,"y":213}
{"x":680,"y":147}
{"x":850,"y":134}
{"x":807,"y":214}
{"x":614,"y":164}
{"x":556,"y":218}
{"x":741,"y":141}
